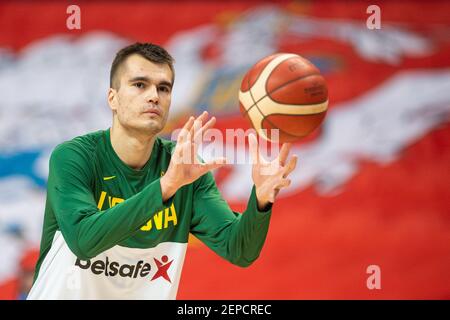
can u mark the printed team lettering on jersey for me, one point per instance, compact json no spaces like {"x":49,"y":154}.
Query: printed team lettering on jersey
{"x":161,"y":220}
{"x":112,"y":201}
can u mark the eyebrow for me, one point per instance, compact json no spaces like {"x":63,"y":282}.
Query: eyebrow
{"x":146,"y":79}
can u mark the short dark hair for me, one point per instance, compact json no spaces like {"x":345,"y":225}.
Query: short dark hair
{"x":149,"y":51}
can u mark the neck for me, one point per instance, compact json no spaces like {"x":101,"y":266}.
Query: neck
{"x":132,"y":147}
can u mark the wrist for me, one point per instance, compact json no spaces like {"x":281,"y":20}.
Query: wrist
{"x":262,"y":203}
{"x":168,"y":189}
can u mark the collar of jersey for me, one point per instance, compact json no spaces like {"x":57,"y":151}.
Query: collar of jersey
{"x":123,"y":166}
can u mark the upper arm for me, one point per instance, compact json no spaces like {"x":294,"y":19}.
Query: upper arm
{"x":69,"y":191}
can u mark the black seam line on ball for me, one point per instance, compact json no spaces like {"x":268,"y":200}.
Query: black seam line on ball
{"x":279,"y":87}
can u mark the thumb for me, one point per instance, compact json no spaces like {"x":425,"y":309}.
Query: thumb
{"x":214,"y":164}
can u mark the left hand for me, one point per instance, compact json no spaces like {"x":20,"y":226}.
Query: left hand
{"x":270,"y":177}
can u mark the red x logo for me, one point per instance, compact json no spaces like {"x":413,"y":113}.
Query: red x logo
{"x":162,"y":268}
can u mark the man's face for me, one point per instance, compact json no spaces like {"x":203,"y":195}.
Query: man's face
{"x":143,"y":98}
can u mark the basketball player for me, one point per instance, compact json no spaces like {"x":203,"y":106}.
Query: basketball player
{"x":121,"y":202}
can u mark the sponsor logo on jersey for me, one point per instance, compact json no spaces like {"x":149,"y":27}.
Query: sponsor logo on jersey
{"x":163,"y":266}
{"x":141,"y":269}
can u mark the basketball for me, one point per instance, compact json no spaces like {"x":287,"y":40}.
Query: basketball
{"x":284,"y":91}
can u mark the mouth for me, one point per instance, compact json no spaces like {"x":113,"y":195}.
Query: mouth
{"x":153,"y":111}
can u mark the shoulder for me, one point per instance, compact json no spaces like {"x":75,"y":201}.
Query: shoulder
{"x":81,"y":148}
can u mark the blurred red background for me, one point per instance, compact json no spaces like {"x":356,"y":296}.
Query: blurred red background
{"x":395,"y":215}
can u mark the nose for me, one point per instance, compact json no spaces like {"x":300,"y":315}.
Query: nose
{"x":152,"y":95}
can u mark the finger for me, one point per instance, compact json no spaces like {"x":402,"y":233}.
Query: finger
{"x":194,"y":148}
{"x":178,"y":153}
{"x":198,"y":123}
{"x":211,"y":122}
{"x":195,"y":128}
{"x":193,"y":151}
{"x":187,"y":126}
{"x":253,"y":146}
{"x":283,"y":183}
{"x":198,"y":136}
{"x":186,"y":153}
{"x":199,"y":133}
{"x":185,"y":130}
{"x":203,"y":116}
{"x":290,"y":166}
{"x":284,"y":153}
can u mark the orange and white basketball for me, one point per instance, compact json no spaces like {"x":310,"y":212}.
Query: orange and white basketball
{"x":284,"y":91}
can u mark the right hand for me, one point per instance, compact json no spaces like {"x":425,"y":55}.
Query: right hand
{"x":184,"y":166}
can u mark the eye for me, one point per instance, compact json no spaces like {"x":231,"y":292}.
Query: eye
{"x":164,"y":89}
{"x":139,"y":85}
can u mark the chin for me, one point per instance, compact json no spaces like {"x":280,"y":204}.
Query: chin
{"x":152,"y":128}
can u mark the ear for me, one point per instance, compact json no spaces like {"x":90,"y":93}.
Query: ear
{"x":112,"y":99}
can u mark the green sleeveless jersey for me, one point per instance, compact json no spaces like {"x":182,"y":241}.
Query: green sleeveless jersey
{"x":107,"y":233}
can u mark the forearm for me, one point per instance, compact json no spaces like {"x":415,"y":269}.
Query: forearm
{"x":236,"y":237}
{"x":247,"y":236}
{"x":90,"y":233}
